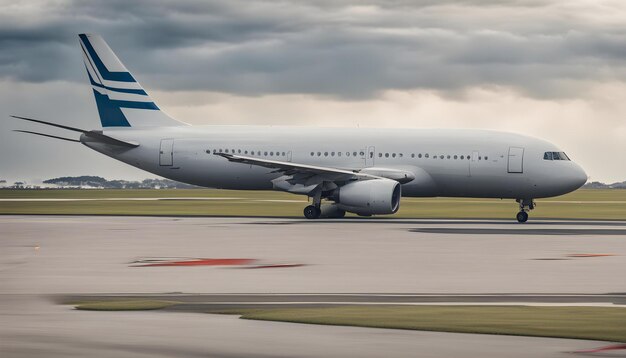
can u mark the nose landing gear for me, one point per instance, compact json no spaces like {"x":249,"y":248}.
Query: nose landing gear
{"x":524,"y":204}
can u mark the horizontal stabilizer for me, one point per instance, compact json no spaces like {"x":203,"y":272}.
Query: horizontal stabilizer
{"x":48,"y":135}
{"x":97,"y":135}
{"x":110,"y":140}
{"x":51,"y":124}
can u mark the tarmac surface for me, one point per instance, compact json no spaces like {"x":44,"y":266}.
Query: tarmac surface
{"x":228,"y":261}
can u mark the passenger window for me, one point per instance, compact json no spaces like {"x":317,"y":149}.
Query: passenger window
{"x":412,"y":155}
{"x":319,"y":154}
{"x":332,"y":154}
{"x":325,"y":154}
{"x":339,"y":154}
{"x":400,"y":154}
{"x":456,"y":157}
{"x":419,"y":155}
{"x":312,"y":154}
{"x":386,"y":155}
{"x":441,"y":157}
{"x":448,"y":157}
{"x":426,"y":155}
{"x":462,"y":157}
{"x":393,"y":155}
{"x":486,"y":158}
{"x":347,"y":154}
{"x":265,"y":153}
{"x":354,"y":154}
{"x":380,"y":155}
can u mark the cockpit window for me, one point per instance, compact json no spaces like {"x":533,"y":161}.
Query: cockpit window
{"x":555,"y":156}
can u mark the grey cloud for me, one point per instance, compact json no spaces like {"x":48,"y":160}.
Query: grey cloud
{"x":329,"y":48}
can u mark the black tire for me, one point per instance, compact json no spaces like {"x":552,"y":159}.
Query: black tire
{"x":311,"y":212}
{"x":522,"y":217}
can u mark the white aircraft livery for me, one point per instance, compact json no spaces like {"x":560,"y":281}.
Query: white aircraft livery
{"x":357,"y":170}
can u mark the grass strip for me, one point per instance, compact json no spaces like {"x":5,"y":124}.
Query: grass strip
{"x":594,"y":323}
{"x":581,"y":204}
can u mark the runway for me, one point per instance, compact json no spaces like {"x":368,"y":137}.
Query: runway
{"x":291,"y":261}
{"x":73,"y":254}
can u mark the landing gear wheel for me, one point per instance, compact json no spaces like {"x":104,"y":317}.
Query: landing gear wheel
{"x":522,"y":216}
{"x":311,"y":212}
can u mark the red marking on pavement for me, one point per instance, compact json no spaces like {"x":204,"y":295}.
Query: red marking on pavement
{"x":603,"y":349}
{"x":202,"y":262}
{"x":590,"y":255}
{"x":273,"y":266}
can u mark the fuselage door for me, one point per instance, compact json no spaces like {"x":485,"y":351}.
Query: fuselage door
{"x":369,"y":156}
{"x":516,"y":160}
{"x":473,"y":162}
{"x":166,"y":152}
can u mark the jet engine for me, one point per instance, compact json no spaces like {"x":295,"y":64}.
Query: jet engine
{"x":369,"y":197}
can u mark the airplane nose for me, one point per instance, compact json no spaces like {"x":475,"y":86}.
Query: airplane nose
{"x":579,"y":177}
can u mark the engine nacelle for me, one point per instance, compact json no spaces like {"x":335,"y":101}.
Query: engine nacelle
{"x":369,"y":197}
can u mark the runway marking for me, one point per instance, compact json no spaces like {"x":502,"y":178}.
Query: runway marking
{"x":240,"y":262}
{"x":590,"y":255}
{"x":194,"y":262}
{"x":519,"y":231}
{"x":273,"y":266}
{"x":603,"y":349}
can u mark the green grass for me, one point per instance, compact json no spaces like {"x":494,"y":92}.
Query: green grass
{"x":596,"y":323}
{"x":582,"y":204}
{"x":133,"y":305}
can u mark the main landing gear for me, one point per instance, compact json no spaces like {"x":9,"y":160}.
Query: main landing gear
{"x":317,"y":210}
{"x":314,"y":211}
{"x":524,"y":205}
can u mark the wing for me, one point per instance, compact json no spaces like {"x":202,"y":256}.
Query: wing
{"x":291,"y":169}
{"x":308,"y":179}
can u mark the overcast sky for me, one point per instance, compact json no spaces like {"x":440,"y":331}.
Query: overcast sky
{"x":551,"y":69}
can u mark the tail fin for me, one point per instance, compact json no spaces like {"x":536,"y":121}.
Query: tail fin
{"x":121,"y":100}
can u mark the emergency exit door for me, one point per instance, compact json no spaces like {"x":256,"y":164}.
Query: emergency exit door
{"x":166,"y":152}
{"x":516,"y":160}
{"x":369,"y":156}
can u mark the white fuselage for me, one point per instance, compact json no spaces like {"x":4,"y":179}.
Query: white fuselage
{"x":453,"y":163}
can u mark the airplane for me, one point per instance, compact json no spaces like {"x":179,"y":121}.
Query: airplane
{"x":364,"y":171}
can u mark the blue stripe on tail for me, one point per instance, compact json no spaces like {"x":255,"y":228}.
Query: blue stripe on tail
{"x":110,"y":110}
{"x":104,"y":72}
